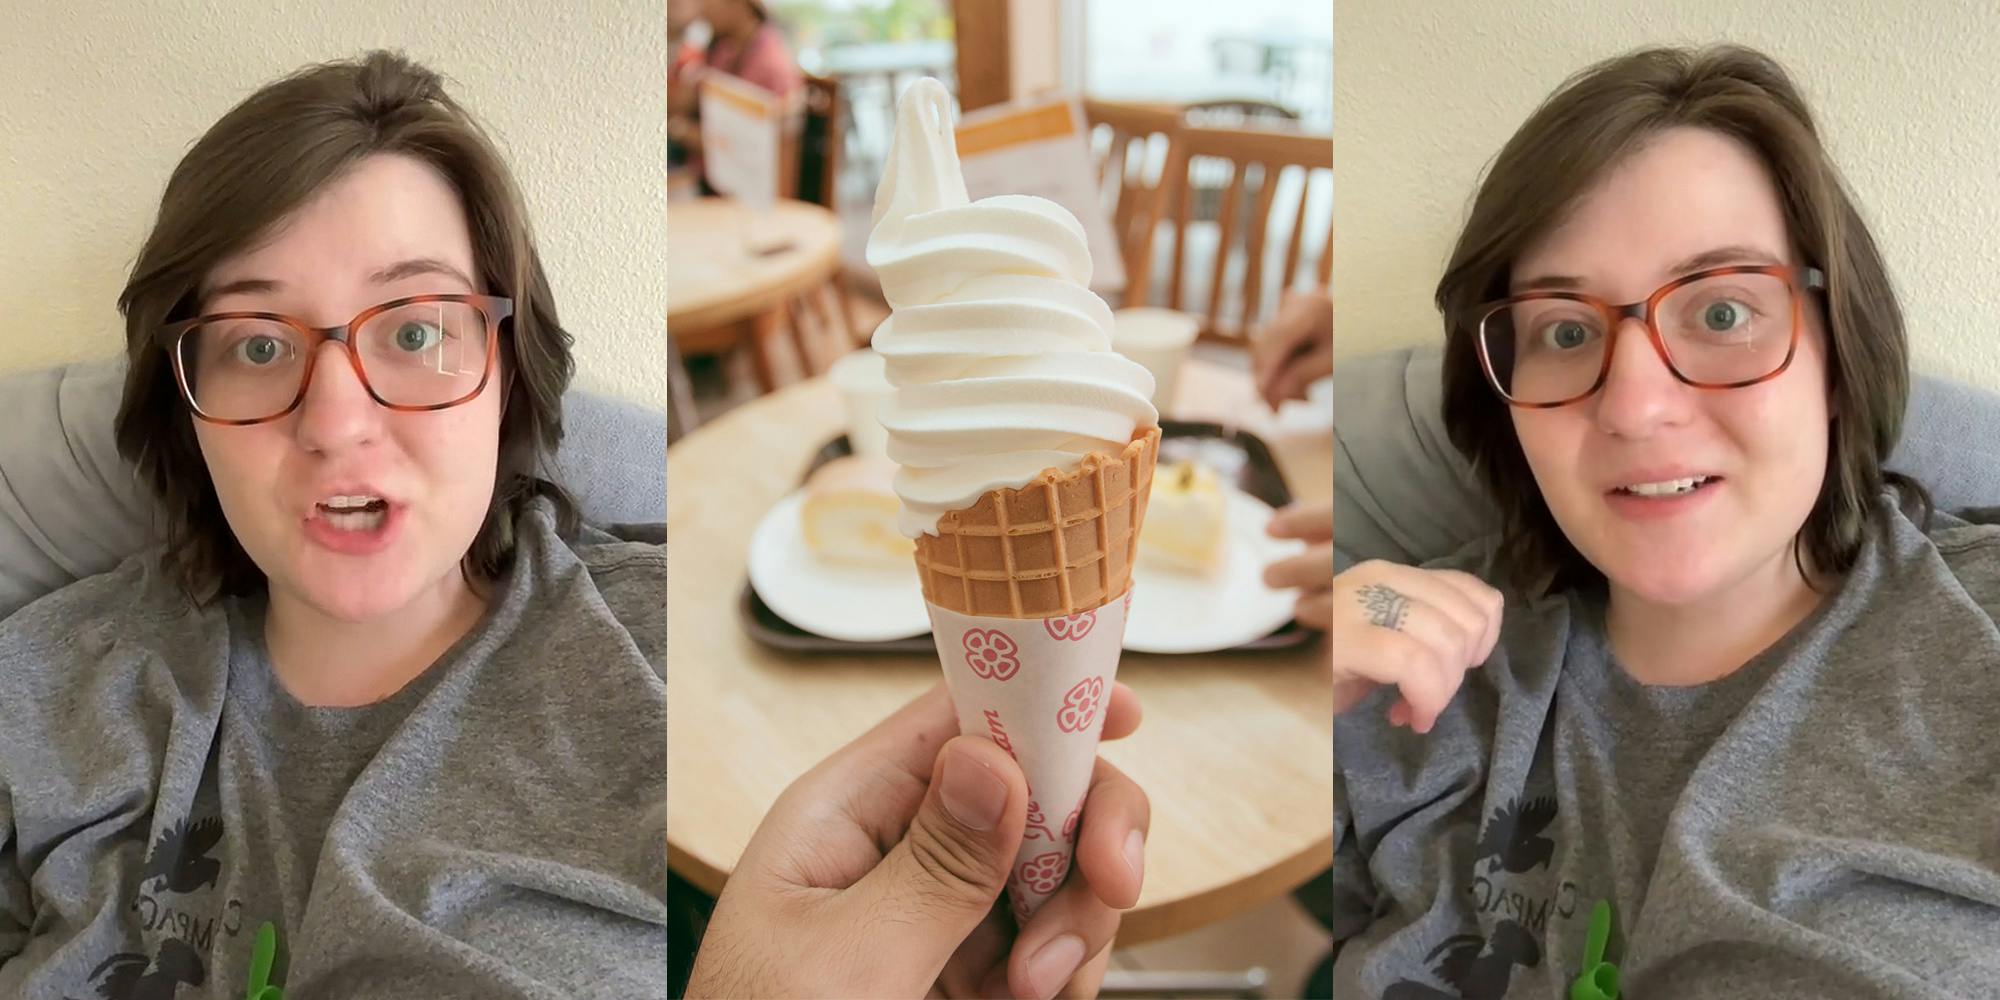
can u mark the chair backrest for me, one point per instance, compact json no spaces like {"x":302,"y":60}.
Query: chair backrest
{"x":1286,"y":160}
{"x":681,"y":413}
{"x":1123,"y":173}
{"x":810,"y":143}
{"x":823,"y":132}
{"x":1234,"y":112}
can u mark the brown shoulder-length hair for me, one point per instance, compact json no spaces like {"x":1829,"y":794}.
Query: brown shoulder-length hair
{"x":262,"y":161}
{"x":1592,"y":122}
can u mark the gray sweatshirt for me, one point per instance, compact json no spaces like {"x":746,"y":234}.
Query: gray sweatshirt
{"x":1825,"y":822}
{"x":494,"y":830}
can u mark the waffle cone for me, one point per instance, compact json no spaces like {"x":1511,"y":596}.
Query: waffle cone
{"x":1060,"y":545}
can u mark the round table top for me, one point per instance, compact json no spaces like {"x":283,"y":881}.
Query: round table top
{"x":716,"y":272}
{"x":1236,"y":751}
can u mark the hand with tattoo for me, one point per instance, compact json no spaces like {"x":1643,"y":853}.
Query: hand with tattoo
{"x":1417,"y":629}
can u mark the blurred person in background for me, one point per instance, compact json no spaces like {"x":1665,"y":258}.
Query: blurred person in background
{"x":744,"y":42}
{"x":684,"y":62}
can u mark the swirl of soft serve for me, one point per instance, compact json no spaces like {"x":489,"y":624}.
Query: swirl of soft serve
{"x":999,"y":352}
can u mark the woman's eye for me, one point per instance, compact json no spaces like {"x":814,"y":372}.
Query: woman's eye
{"x":259,"y":350}
{"x":1724,"y":316}
{"x":1566,"y":335}
{"x":417,"y":336}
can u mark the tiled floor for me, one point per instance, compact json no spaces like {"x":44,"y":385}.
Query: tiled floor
{"x":1278,"y":937}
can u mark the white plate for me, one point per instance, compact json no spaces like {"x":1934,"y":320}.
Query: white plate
{"x":849,"y":603}
{"x":1184,"y":613}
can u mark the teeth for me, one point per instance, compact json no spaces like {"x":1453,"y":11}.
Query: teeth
{"x":355,"y":521}
{"x":344,"y":501}
{"x":1666,"y":488}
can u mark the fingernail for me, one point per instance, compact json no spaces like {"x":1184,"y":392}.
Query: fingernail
{"x":972,"y":794}
{"x":1135,"y":856}
{"x":1054,"y":964}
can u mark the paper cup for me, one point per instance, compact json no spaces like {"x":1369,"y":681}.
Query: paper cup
{"x":1158,"y":339}
{"x":1038,"y":687}
{"x":864,"y":387}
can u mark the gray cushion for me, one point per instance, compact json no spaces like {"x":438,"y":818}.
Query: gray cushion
{"x":1402,"y":492}
{"x":70,"y":507}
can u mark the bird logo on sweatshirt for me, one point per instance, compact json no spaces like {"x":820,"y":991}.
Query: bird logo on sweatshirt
{"x":1478,"y":968}
{"x":1513,"y":837}
{"x":134,"y":976}
{"x":179,"y":862}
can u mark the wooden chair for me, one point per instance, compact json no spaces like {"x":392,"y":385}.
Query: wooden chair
{"x":800,"y":337}
{"x":1234,"y":112}
{"x":681,"y":413}
{"x":1129,"y":190}
{"x":1274,"y":155}
{"x":812,"y":143}
{"x":815,"y":327}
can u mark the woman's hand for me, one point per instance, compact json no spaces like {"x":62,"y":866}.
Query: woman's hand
{"x":1311,"y":572}
{"x":1418,"y":629}
{"x":878,"y":873}
{"x":1295,"y":349}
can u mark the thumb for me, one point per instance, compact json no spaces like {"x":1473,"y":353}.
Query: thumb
{"x":954,"y":861}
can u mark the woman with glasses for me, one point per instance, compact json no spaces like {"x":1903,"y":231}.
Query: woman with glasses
{"x":1729,"y":731}
{"x":381,"y":719}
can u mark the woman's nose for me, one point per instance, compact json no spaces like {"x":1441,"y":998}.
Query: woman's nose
{"x":1640,"y":392}
{"x":337,"y":411}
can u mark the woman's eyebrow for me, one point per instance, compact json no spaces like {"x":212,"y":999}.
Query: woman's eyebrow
{"x":381,"y":276}
{"x":1547,"y":282}
{"x":241,"y":286}
{"x":1735,"y":253}
{"x":419,"y":265}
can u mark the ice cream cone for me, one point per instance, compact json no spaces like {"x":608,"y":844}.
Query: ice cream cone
{"x":1027,"y":448}
{"x":1060,"y":545}
{"x":1027,"y":593}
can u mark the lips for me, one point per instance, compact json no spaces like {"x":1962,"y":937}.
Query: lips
{"x":354,"y":521}
{"x":1667,"y":488}
{"x":1661,"y":482}
{"x":348,"y":497}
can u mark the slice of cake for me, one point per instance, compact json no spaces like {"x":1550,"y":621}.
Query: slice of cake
{"x":850,"y":513}
{"x":1186,"y":527}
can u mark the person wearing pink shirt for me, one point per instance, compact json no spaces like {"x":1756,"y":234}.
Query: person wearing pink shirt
{"x":744,"y":43}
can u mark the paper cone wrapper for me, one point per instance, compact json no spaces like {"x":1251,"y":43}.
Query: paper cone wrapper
{"x":1039,"y":688}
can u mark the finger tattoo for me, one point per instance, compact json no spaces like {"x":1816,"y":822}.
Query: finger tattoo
{"x":1386,"y":606}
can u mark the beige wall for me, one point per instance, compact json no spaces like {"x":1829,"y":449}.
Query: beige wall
{"x":103,"y":96}
{"x":1425,"y":94}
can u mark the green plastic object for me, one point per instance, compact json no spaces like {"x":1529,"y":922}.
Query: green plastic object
{"x":1599,"y":978}
{"x":262,"y":956}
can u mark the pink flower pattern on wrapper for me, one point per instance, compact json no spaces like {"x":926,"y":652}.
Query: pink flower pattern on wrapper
{"x":1079,"y":707}
{"x":991,"y":653}
{"x":1044,"y":872}
{"x":1071,"y":628}
{"x":1069,"y":825}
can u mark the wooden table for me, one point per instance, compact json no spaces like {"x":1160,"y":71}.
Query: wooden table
{"x":715,"y":280}
{"x":1236,"y":751}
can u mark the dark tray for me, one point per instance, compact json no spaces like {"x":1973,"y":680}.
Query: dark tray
{"x":1239,"y":457}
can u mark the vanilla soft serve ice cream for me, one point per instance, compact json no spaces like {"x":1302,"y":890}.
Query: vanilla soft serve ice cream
{"x":1000,"y":353}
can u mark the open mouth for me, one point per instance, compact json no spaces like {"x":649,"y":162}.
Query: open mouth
{"x":1668,"y":488}
{"x":358,"y":514}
